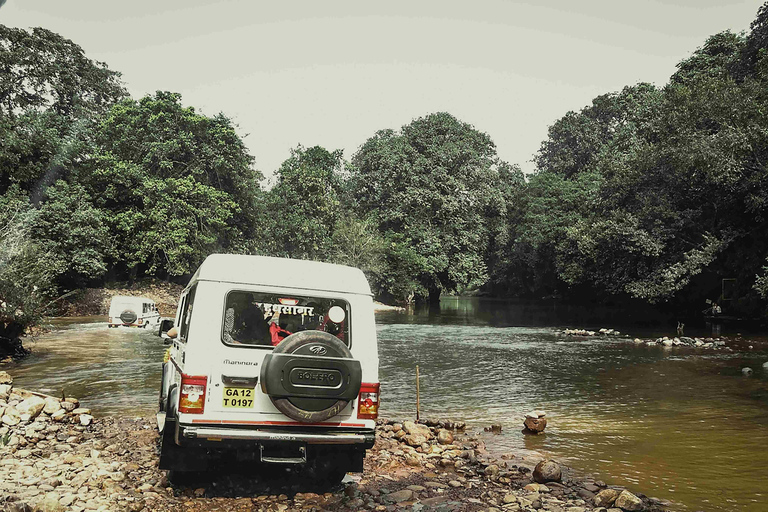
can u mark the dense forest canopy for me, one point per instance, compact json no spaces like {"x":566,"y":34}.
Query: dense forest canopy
{"x":649,"y":193}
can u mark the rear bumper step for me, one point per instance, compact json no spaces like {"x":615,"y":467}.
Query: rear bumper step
{"x":217,"y":434}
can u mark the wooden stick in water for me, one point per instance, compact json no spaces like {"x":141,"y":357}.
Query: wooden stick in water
{"x":417,"y":393}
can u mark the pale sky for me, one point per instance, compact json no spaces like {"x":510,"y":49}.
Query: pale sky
{"x":332,"y":73}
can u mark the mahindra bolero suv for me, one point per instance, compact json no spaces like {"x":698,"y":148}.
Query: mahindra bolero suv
{"x":275,"y":362}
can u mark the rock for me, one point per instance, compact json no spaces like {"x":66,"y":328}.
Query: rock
{"x":68,"y":406}
{"x":547,"y":471}
{"x":59,"y":415}
{"x":85,"y":419}
{"x":415,"y":428}
{"x":746,"y":370}
{"x":5,"y":390}
{"x":399,"y":496}
{"x":494,"y":427}
{"x":81,"y":410}
{"x":51,"y":405}
{"x":11,"y":417}
{"x":5,"y":378}
{"x":412,"y":460}
{"x":445,"y":437}
{"x":535,"y":424}
{"x":606,"y":497}
{"x":765,"y":365}
{"x":492,"y":471}
{"x":415,"y":439}
{"x":628,"y":501}
{"x":33,"y":406}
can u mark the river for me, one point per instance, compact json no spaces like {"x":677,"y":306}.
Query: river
{"x":680,"y":424}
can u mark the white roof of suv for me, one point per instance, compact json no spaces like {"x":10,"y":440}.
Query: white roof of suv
{"x":282,"y":272}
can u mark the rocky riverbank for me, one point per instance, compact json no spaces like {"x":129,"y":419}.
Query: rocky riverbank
{"x":55,"y":456}
{"x":719,"y":343}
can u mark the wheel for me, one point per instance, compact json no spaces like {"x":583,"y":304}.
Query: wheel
{"x":311,"y":376}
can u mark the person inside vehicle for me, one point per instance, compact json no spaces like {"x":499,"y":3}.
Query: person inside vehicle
{"x":244,"y":321}
{"x":278,"y":330}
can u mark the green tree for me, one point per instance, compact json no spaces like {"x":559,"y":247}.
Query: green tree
{"x":176,"y":185}
{"x":50,"y":92}
{"x":74,"y":233}
{"x":26,"y":280}
{"x":432,"y":188}
{"x":304,"y":205}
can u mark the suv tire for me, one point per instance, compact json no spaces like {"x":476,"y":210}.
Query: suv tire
{"x":316,"y":352}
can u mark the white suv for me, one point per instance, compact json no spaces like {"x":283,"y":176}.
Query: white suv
{"x":275,"y":362}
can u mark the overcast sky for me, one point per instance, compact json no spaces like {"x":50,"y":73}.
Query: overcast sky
{"x":332,"y":73}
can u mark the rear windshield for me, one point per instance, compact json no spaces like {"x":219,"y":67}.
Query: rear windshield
{"x":261,"y":319}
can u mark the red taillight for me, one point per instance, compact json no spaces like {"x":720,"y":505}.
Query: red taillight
{"x":368,"y":401}
{"x":192,"y":396}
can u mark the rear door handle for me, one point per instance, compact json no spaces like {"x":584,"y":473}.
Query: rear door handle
{"x":245,"y":382}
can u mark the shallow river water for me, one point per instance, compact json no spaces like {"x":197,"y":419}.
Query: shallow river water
{"x":680,"y":424}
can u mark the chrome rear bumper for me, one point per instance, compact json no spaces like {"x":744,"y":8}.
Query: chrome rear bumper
{"x":328,"y":438}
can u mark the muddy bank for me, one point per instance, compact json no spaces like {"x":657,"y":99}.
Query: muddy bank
{"x":95,"y":301}
{"x":55,"y":456}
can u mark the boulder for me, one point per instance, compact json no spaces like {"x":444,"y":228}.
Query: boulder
{"x":492,"y":471}
{"x":51,"y":405}
{"x":547,"y":471}
{"x":415,"y":428}
{"x":746,"y":370}
{"x":85,"y":419}
{"x":628,"y":501}
{"x":5,"y":378}
{"x":399,"y":496}
{"x":606,"y":497}
{"x":765,"y":365}
{"x":444,"y":437}
{"x":415,"y":439}
{"x":537,"y":424}
{"x":68,"y":406}
{"x":33,"y":406}
{"x":11,"y":416}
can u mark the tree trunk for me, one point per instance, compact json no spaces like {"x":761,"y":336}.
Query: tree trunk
{"x":434,"y":296}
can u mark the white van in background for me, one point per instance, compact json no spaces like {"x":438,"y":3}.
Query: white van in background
{"x":126,"y":311}
{"x":275,"y":363}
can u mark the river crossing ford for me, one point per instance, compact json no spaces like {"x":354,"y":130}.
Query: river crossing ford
{"x":680,"y":423}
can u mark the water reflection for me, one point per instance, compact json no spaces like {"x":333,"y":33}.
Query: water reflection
{"x":681,"y":424}
{"x":113,"y":371}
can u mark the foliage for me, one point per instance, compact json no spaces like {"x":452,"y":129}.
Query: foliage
{"x":26,"y":280}
{"x":74,"y":233}
{"x":357,"y":243}
{"x":667,"y":186}
{"x":49,"y":93}
{"x":432,"y":188}
{"x":175,"y":185}
{"x":304,"y":206}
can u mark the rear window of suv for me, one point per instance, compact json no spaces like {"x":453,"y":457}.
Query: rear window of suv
{"x":260,"y":319}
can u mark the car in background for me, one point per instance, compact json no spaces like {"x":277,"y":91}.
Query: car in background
{"x":127,"y":311}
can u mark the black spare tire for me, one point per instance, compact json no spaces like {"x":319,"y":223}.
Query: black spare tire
{"x":128,"y":316}
{"x":311,"y":376}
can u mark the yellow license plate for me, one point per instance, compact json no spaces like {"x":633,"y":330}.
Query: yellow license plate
{"x":238,"y":398}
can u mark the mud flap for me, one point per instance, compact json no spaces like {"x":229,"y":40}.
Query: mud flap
{"x":175,"y":458}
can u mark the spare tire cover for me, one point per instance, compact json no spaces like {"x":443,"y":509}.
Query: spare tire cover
{"x":311,"y":376}
{"x":128,"y":316}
